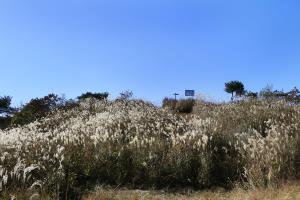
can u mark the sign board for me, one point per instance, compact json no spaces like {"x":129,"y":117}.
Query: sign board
{"x":189,"y":93}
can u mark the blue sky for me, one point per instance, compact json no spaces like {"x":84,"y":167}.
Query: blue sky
{"x":152,"y":47}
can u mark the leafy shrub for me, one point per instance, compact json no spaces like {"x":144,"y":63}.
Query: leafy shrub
{"x":36,"y":109}
{"x":185,"y":105}
{"x":5,"y":122}
{"x":169,"y":103}
{"x":180,"y":106}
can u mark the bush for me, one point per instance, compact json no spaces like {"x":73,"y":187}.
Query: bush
{"x":5,"y":122}
{"x":180,"y":106}
{"x":185,"y":105}
{"x":169,"y":103}
{"x":36,"y":109}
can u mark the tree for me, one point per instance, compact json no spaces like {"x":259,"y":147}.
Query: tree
{"x":251,"y":95}
{"x":5,"y":103}
{"x":37,"y":108}
{"x":5,"y":111}
{"x":126,"y":95}
{"x":268,"y":93}
{"x":293,"y":95}
{"x":98,"y":96}
{"x":235,"y":88}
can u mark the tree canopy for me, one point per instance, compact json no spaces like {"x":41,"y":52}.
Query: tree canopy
{"x":235,"y":88}
{"x":36,"y":109}
{"x":98,"y":96}
{"x":5,"y":102}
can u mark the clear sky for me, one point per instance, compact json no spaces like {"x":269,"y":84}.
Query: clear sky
{"x":152,"y":47}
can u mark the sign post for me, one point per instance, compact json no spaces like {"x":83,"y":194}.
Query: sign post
{"x":175,"y":94}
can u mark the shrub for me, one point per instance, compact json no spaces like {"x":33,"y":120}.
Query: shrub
{"x":169,"y":103}
{"x":36,"y":109}
{"x":5,"y":122}
{"x":180,"y":106}
{"x":185,"y":105}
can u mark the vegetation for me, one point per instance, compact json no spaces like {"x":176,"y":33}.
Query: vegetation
{"x":292,"y":96}
{"x":5,"y":103}
{"x":169,"y":103}
{"x":135,"y":144}
{"x":63,"y":148}
{"x":5,"y":111}
{"x":287,"y":192}
{"x":235,"y":88}
{"x":98,"y":96}
{"x":36,"y":109}
{"x":179,"y":106}
{"x":39,"y":108}
{"x":125,"y":95}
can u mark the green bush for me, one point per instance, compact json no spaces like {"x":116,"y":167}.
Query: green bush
{"x":185,"y":105}
{"x":36,"y":109}
{"x":180,"y":106}
{"x":5,"y":122}
{"x":169,"y":103}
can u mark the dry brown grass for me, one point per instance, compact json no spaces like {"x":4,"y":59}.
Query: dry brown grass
{"x":287,"y":192}
{"x":135,"y":144}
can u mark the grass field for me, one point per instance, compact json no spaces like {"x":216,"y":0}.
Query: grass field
{"x":134,"y":144}
{"x":288,"y":192}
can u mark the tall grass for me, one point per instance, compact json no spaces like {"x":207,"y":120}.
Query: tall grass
{"x":135,"y":144}
{"x":290,"y":191}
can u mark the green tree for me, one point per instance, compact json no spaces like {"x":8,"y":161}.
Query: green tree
{"x":293,"y":95}
{"x":5,"y":103}
{"x":37,"y":108}
{"x":98,"y":96}
{"x":126,"y":95}
{"x":235,"y":88}
{"x":251,"y":95}
{"x":267,"y":92}
{"x":5,"y":111}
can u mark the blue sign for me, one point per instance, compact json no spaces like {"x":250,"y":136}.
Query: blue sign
{"x":189,"y":93}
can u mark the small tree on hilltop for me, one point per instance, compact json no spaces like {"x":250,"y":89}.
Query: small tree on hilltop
{"x":98,"y":96}
{"x":5,"y":105}
{"x":293,"y":95}
{"x":6,"y":111}
{"x":267,"y":92}
{"x":235,"y":88}
{"x":251,"y":95}
{"x":126,"y":95}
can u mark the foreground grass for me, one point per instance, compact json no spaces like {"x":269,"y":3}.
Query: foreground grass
{"x":287,"y":192}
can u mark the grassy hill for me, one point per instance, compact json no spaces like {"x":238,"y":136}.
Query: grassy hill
{"x":134,"y":144}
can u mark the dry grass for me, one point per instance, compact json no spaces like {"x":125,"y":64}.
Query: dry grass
{"x":135,"y":144}
{"x":287,"y":192}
